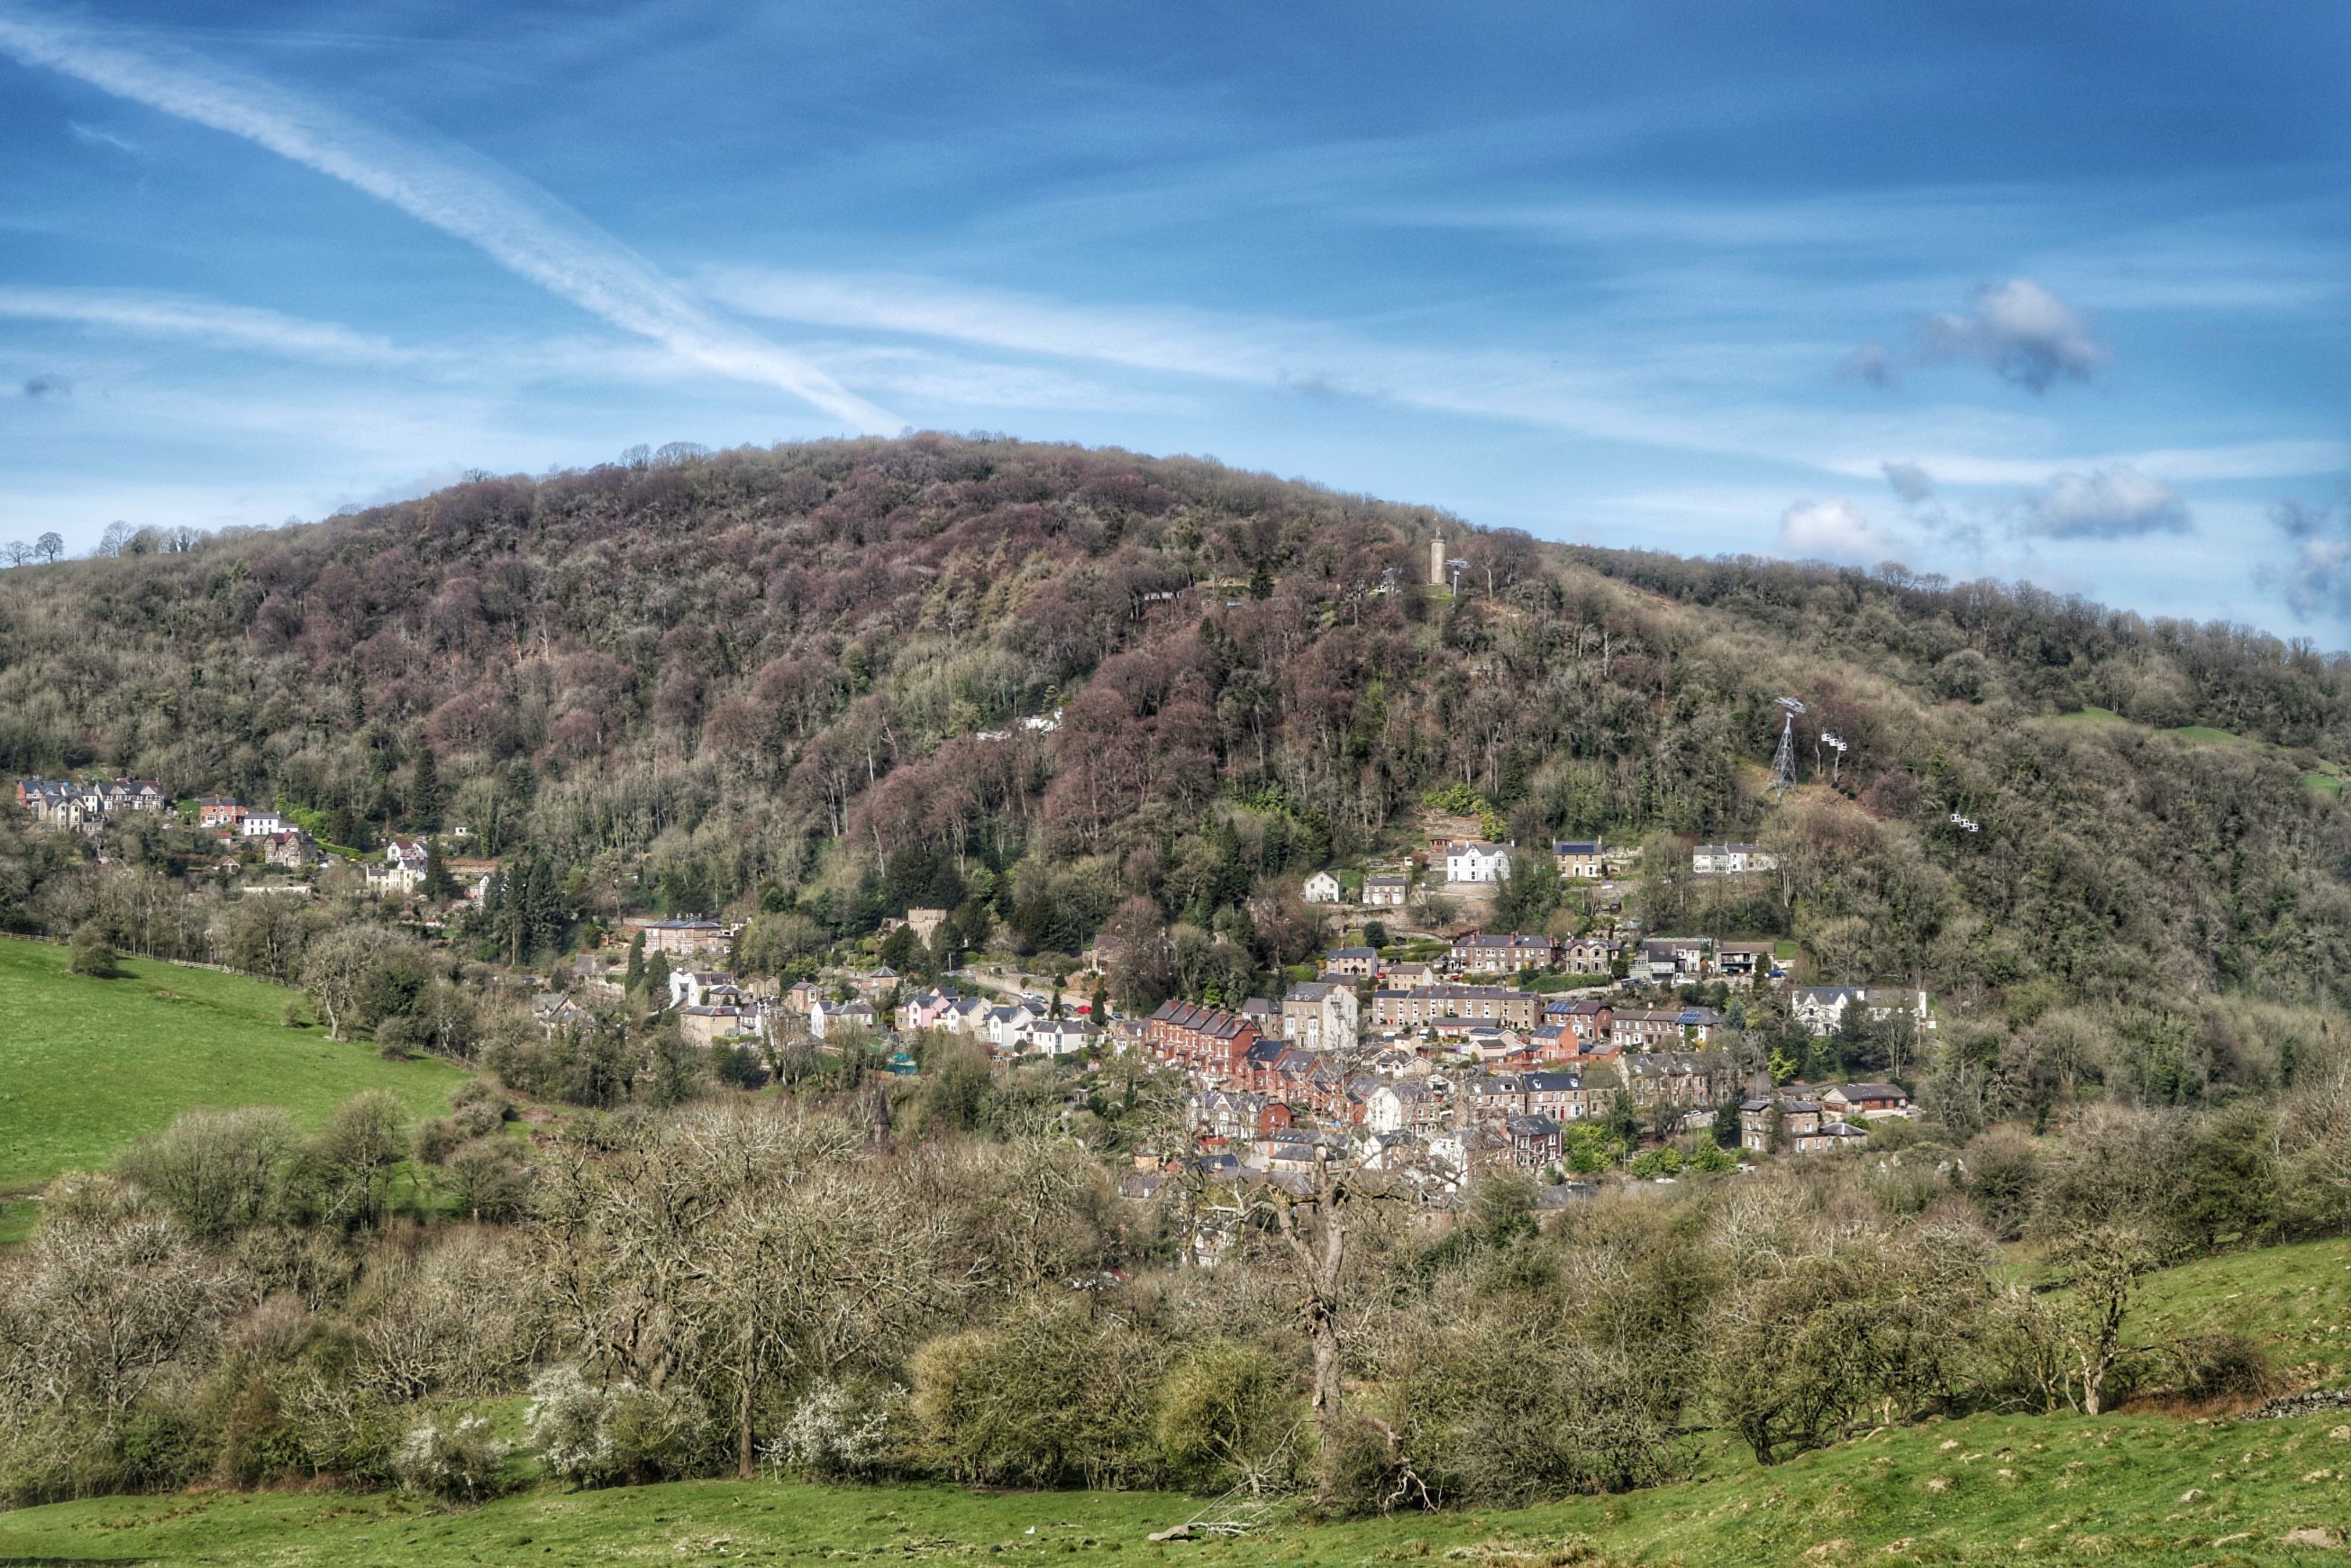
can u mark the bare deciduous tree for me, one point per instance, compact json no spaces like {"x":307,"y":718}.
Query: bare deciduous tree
{"x":2103,"y":1271}
{"x":106,"y":1298}
{"x":758,"y":1249}
{"x":217,"y":1171}
{"x":334,"y":967}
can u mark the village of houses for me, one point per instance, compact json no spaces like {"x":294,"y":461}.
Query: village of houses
{"x":252,"y":837}
{"x":1452,"y":1065}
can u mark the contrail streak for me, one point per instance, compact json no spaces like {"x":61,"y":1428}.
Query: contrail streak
{"x":521,"y":227}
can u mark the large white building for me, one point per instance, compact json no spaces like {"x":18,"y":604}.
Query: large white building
{"x":1476,"y":861}
{"x":1321,"y":1015}
{"x":1731,"y":860}
{"x":1821,"y":1009}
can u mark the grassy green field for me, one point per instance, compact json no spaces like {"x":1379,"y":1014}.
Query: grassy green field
{"x":2205,"y":734}
{"x":2142,"y":1491}
{"x":86,"y":1066}
{"x":2091,"y":717}
{"x":2294,"y":1300}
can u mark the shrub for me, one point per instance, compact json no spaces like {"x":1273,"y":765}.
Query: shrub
{"x":255,"y":1442}
{"x":161,"y":1449}
{"x":489,"y":1179}
{"x":1503,"y":1409}
{"x":1360,"y":1472}
{"x":478,"y":1118}
{"x":217,"y":1172}
{"x":90,"y":953}
{"x":50,"y":1456}
{"x":481,"y":1092}
{"x":2221,"y":1364}
{"x":452,"y":1456}
{"x":1651,"y":1164}
{"x":842,"y":1431}
{"x":1229,"y":1413}
{"x":660,"y":1434}
{"x":436,"y":1138}
{"x":1049,"y":1397}
{"x":1712,"y":1159}
{"x":2001,"y":1170}
{"x":570,"y":1427}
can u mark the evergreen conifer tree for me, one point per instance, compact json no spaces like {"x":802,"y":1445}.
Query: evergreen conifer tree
{"x":424,"y":792}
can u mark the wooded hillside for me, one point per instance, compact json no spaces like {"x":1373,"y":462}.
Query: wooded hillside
{"x":792,"y":680}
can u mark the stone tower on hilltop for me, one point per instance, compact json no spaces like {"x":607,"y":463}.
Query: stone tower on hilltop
{"x":1437,"y":563}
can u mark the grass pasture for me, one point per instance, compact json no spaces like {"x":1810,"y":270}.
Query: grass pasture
{"x":86,"y":1066}
{"x":2205,"y":734}
{"x":2294,"y":1300}
{"x":2149,"y":1490}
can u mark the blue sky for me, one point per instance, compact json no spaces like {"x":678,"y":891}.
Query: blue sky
{"x":2059,"y":292}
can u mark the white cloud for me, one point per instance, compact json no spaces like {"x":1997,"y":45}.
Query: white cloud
{"x":2241,"y":460}
{"x":954,"y":380}
{"x":1185,"y":342}
{"x":2026,"y":334}
{"x":2176,"y":464}
{"x":1637,"y":396}
{"x":1599,"y":401}
{"x":1880,"y":222}
{"x":2119,"y":502}
{"x":96,"y":136}
{"x":514,"y":223}
{"x":227,"y":326}
{"x":1833,"y":530}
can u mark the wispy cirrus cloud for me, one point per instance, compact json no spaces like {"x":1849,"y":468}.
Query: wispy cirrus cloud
{"x":97,"y":136}
{"x":1311,"y":359}
{"x":2224,"y":461}
{"x":521,"y":227}
{"x":1648,"y":404}
{"x":227,"y":326}
{"x":1181,"y":341}
{"x":956,"y":380}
